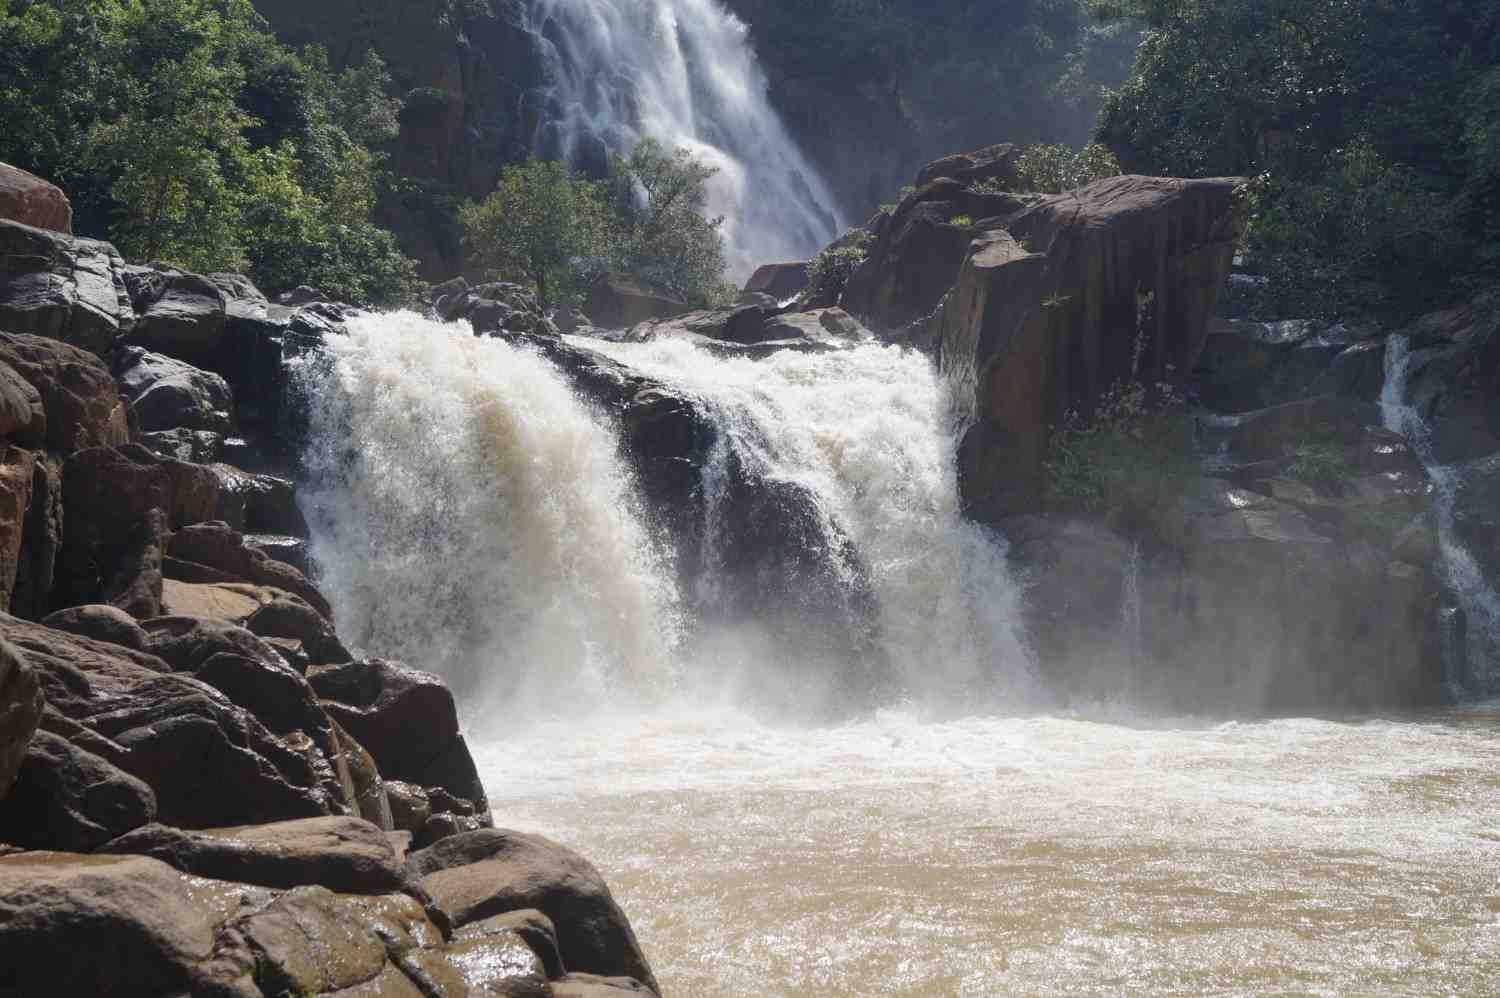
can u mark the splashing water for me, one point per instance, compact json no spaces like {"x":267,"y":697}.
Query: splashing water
{"x":473,"y":518}
{"x":683,"y":72}
{"x":869,"y":434}
{"x":1480,"y":601}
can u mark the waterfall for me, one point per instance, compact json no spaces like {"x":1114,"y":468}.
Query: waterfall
{"x":1476,"y":597}
{"x":682,"y":72}
{"x":868,"y":433}
{"x":473,"y":518}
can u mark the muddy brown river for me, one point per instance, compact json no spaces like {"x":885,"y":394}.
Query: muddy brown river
{"x":1045,"y":856}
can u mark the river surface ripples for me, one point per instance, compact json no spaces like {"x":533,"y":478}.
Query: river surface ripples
{"x":1040,"y":856}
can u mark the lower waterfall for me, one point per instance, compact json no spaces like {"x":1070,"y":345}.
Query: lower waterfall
{"x":473,"y":516}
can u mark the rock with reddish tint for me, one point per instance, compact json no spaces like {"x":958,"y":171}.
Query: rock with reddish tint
{"x":30,"y":200}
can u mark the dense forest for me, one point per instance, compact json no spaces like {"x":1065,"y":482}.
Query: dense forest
{"x":185,"y":131}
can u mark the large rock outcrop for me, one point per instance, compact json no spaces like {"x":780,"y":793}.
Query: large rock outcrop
{"x":1067,"y":297}
{"x":30,"y":200}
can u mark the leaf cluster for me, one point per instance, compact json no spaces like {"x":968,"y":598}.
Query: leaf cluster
{"x":184,"y":132}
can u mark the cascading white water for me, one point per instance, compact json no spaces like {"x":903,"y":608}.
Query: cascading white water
{"x":683,"y":72}
{"x":868,"y":433}
{"x":1479,"y":600}
{"x":472,"y":517}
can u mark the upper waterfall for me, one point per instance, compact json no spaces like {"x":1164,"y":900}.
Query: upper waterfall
{"x":682,"y":72}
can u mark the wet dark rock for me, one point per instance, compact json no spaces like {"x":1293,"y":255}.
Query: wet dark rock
{"x":193,"y":446}
{"x":21,"y":706}
{"x":217,"y":546}
{"x":617,"y":302}
{"x":343,"y":854}
{"x":62,"y":288}
{"x":184,"y":318}
{"x":594,"y":986}
{"x":82,"y":405}
{"x":115,"y":927}
{"x":102,"y":623}
{"x":409,"y":805}
{"x":778,"y":281}
{"x":381,"y":703}
{"x":291,"y":551}
{"x":169,"y":394}
{"x":209,"y":762}
{"x":444,"y":825}
{"x":67,"y":798}
{"x":477,"y":875}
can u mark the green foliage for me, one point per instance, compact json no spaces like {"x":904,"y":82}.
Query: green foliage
{"x":558,"y":231}
{"x":961,"y":221}
{"x":828,"y":273}
{"x":1324,"y":464}
{"x":1053,"y":169}
{"x":186,"y":133}
{"x":1128,"y":459}
{"x":543,"y":225}
{"x":663,"y":234}
{"x":1373,"y":124}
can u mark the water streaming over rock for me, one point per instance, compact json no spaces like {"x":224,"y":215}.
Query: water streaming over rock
{"x":1476,"y":596}
{"x":473,"y":518}
{"x":682,"y":72}
{"x":869,"y":434}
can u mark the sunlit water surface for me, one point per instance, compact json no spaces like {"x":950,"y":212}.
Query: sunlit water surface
{"x":1033,"y":856}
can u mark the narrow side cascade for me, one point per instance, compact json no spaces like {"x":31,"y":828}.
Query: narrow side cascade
{"x":682,"y":72}
{"x":1466,"y":675}
{"x":472,"y":517}
{"x":868,"y":433}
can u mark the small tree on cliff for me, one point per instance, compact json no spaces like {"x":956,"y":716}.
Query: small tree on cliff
{"x":541,"y":224}
{"x":665,"y":236}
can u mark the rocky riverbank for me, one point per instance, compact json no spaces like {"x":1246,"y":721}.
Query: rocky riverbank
{"x":201,"y":790}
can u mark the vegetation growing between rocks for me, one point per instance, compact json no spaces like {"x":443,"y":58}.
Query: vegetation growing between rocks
{"x":559,"y":231}
{"x":1131,"y":458}
{"x":184,"y":132}
{"x":828,"y":273}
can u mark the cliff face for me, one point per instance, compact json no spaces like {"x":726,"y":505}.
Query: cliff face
{"x":468,"y":74}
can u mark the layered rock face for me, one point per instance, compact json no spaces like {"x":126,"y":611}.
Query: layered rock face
{"x":202,"y":790}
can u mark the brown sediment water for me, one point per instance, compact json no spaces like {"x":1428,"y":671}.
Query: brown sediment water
{"x":1043,"y":856}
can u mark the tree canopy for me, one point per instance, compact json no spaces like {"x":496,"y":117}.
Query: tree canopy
{"x":1371,"y":125}
{"x":183,"y":131}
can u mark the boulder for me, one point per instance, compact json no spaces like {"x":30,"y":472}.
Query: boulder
{"x":343,"y":854}
{"x":500,"y":964}
{"x":216,"y":546}
{"x":183,"y":316}
{"x":1067,"y":297}
{"x":382,"y":703}
{"x":533,"y":927}
{"x":169,"y":394}
{"x":82,"y":405}
{"x":41,"y":540}
{"x":119,"y":504}
{"x":781,"y":281}
{"x":997,"y":165}
{"x":366,"y":790}
{"x":30,"y":200}
{"x":481,"y":874}
{"x":116,"y":927}
{"x":618,"y":302}
{"x":287,"y":550}
{"x":594,"y":986}
{"x":67,"y":798}
{"x":409,"y":805}
{"x":23,"y":419}
{"x":17,"y":479}
{"x":193,"y":446}
{"x":443,"y":825}
{"x":21,"y":706}
{"x":209,"y":762}
{"x":62,"y":288}
{"x":100,"y":622}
